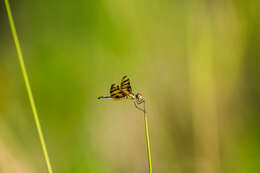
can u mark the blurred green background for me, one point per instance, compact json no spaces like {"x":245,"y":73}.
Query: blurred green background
{"x":196,"y":62}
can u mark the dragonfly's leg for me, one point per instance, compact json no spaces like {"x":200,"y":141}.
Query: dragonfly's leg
{"x":138,"y":107}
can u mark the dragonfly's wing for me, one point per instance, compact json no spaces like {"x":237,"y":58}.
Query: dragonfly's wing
{"x":125,"y":86}
{"x":116,"y":93}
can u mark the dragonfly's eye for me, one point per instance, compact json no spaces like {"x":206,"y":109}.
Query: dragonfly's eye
{"x":139,"y":98}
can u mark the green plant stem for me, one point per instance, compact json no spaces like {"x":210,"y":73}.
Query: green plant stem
{"x":147,"y":140}
{"x":28,"y":87}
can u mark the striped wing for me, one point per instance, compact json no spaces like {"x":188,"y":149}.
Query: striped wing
{"x":125,"y":86}
{"x":116,"y":93}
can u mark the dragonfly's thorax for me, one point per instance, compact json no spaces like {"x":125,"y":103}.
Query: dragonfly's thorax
{"x":131,"y":96}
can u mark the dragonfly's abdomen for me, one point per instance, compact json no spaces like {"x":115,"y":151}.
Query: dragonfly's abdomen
{"x":104,"y":97}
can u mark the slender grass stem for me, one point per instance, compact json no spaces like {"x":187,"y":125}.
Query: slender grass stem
{"x":147,"y":140}
{"x":28,"y":87}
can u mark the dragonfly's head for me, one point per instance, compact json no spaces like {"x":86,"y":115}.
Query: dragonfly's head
{"x":139,"y":98}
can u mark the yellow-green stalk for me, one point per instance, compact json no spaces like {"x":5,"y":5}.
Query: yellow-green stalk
{"x":28,"y":87}
{"x":147,"y":140}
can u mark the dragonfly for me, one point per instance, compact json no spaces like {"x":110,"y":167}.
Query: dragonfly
{"x":124,"y":92}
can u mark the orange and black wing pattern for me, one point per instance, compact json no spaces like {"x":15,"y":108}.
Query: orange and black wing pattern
{"x":116,"y":93}
{"x":125,"y":86}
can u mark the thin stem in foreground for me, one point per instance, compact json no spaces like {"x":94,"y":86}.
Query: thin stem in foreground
{"x":28,"y":87}
{"x":147,"y":140}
